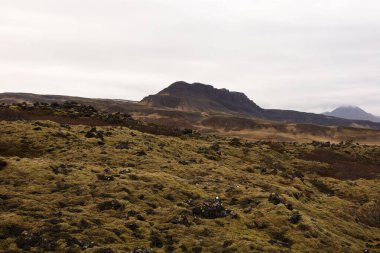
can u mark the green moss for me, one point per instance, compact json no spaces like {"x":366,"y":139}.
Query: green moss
{"x":50,"y":187}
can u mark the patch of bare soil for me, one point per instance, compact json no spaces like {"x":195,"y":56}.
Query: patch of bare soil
{"x":342,"y":167}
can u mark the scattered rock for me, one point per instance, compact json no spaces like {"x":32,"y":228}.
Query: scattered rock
{"x":140,"y":217}
{"x":123,"y":145}
{"x":235,"y":142}
{"x":215,"y":146}
{"x":212,"y":209}
{"x":132,"y":226}
{"x":108,"y":205}
{"x":61,"y":169}
{"x":105,"y":177}
{"x":140,"y":153}
{"x":288,"y":205}
{"x":40,"y":124}
{"x":279,"y":238}
{"x":87,"y":245}
{"x":275,"y":198}
{"x":227,"y":243}
{"x":180,"y":219}
{"x":248,"y":202}
{"x":83,"y":224}
{"x":28,"y":239}
{"x":257,"y":224}
{"x":125,"y":171}
{"x":209,"y":153}
{"x":132,"y":213}
{"x":11,"y":230}
{"x":299,"y":174}
{"x":295,"y":217}
{"x":184,"y":248}
{"x":61,"y":186}
{"x":48,"y":245}
{"x":67,"y":126}
{"x":3,"y":164}
{"x":93,"y":133}
{"x":155,"y":241}
{"x":142,"y":250}
{"x":187,"y":162}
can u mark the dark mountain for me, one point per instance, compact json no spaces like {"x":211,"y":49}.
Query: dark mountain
{"x":352,"y":112}
{"x":202,"y":97}
{"x":205,"y":98}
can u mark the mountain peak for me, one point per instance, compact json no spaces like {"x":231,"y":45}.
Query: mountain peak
{"x":201,"y":97}
{"x":352,"y":112}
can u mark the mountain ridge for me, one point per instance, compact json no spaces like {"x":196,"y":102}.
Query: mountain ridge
{"x":189,"y":104}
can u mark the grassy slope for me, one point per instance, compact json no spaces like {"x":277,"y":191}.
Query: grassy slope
{"x":60,"y":205}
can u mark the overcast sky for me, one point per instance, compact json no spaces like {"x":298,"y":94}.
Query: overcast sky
{"x":293,"y":54}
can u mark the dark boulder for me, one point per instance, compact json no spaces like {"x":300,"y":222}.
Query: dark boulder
{"x":215,"y":146}
{"x":11,"y":230}
{"x":155,"y":241}
{"x":299,"y":174}
{"x":227,"y":243}
{"x":275,"y":198}
{"x":212,"y":209}
{"x":140,"y":153}
{"x":110,"y":205}
{"x":28,"y":239}
{"x":295,"y":217}
{"x":132,"y":226}
{"x":93,"y":133}
{"x":105,"y":177}
{"x":3,"y":164}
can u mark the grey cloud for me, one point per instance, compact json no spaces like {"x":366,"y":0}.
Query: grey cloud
{"x":292,"y":54}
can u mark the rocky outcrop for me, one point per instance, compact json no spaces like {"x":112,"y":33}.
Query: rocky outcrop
{"x":202,"y":97}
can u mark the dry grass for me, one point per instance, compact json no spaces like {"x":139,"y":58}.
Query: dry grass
{"x":63,"y":192}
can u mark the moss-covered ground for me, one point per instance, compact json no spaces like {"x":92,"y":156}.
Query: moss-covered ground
{"x":66,"y":188}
